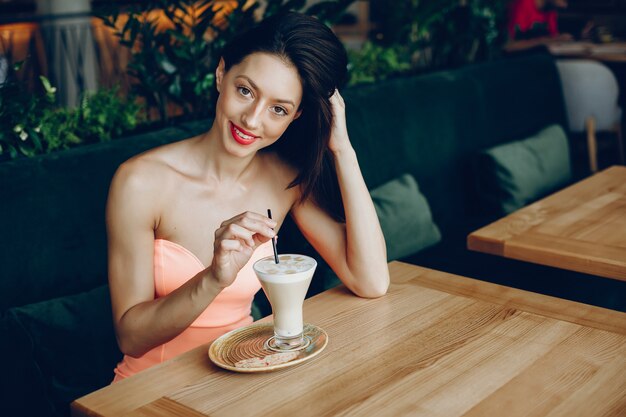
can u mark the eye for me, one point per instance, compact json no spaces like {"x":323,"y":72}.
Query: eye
{"x":244,"y":91}
{"x":279,"y":111}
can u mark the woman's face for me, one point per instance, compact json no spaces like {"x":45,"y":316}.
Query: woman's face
{"x":259,"y":98}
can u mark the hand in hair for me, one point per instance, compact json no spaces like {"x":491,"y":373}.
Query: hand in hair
{"x":339,"y":140}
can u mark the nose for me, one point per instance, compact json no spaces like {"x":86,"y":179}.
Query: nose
{"x":251,"y":118}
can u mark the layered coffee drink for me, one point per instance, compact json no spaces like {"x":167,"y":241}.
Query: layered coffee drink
{"x":285,"y":284}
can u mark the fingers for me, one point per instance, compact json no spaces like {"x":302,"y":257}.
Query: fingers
{"x":250,"y":218}
{"x":337,"y":99}
{"x":235,"y":231}
{"x":338,"y":108}
{"x":260,"y":239}
{"x":249,"y":227}
{"x":227,"y":245}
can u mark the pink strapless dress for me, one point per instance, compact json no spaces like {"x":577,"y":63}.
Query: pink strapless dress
{"x":173,"y":266}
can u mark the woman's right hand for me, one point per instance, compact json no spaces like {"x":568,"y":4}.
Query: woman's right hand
{"x":235,"y":241}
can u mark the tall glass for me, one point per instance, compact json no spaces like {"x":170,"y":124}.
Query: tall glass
{"x":285,"y":284}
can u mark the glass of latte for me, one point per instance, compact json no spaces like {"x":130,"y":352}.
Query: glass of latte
{"x":285,"y":284}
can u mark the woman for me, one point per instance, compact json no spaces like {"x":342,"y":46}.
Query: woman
{"x":533,"y":24}
{"x":185,"y":221}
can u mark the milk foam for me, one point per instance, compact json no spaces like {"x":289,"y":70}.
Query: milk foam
{"x":289,"y":264}
{"x":285,"y":285}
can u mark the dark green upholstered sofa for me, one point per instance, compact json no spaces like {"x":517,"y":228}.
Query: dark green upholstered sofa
{"x":55,"y":324}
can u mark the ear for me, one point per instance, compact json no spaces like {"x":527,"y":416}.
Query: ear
{"x":298,"y":114}
{"x":219,"y":75}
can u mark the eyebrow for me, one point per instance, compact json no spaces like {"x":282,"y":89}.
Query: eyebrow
{"x":256,"y":87}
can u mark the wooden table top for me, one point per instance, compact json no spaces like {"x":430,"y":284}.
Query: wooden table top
{"x":580,"y":228}
{"x":605,"y":52}
{"x":436,"y":345}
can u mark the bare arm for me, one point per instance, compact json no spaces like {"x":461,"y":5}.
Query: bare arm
{"x":142,"y":322}
{"x":354,"y":250}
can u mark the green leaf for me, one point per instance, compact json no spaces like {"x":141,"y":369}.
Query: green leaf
{"x":273,"y":6}
{"x":18,"y":65}
{"x":166,"y":65}
{"x":175,"y":88}
{"x":25,"y":150}
{"x":36,"y":139}
{"x":329,"y":11}
{"x":12,"y":151}
{"x":181,"y":53}
{"x":71,"y":138}
{"x":46,"y":85}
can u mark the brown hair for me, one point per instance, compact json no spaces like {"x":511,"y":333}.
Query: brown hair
{"x":321,"y":62}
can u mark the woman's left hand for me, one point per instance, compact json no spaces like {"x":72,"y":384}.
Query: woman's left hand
{"x":339,"y":140}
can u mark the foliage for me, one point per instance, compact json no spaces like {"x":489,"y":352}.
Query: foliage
{"x":31,"y":124}
{"x":20,"y":112}
{"x":467,"y":34}
{"x":408,"y":22}
{"x":442,"y":34}
{"x":373,"y":63}
{"x":176,"y":45}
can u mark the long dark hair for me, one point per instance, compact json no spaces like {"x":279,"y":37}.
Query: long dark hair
{"x":321,"y":62}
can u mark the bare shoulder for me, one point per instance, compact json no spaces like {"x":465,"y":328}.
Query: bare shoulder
{"x":142,"y":185}
{"x":149,"y":171}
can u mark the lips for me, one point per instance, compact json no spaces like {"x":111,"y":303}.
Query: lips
{"x":241,"y":140}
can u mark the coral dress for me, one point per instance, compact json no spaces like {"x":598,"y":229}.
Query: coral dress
{"x":173,"y":266}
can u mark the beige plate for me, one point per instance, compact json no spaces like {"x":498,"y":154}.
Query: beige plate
{"x":244,"y":350}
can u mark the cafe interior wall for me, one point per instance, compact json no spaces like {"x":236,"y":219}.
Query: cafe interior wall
{"x":109,"y":69}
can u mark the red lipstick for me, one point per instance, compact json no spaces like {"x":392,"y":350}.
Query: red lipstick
{"x":239,"y":139}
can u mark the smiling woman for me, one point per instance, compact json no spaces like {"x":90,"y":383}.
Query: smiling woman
{"x":259,"y":98}
{"x":185,"y":220}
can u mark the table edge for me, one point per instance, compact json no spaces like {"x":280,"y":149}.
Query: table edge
{"x":531,"y":302}
{"x":482,"y":240}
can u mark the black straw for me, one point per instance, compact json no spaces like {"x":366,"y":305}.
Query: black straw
{"x":269,"y":214}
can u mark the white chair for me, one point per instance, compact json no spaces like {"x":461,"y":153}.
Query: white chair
{"x":591,"y":90}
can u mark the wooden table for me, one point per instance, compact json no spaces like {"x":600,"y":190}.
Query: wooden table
{"x":580,"y":228}
{"x":608,"y":52}
{"x":436,"y":345}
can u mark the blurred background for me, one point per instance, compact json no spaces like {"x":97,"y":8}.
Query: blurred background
{"x":129,"y":65}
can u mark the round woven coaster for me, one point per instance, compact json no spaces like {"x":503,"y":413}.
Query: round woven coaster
{"x":246,"y":349}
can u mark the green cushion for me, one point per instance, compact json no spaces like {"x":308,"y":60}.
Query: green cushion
{"x":426,"y":136}
{"x":405,"y":217}
{"x":518,"y":173}
{"x":58,"y":350}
